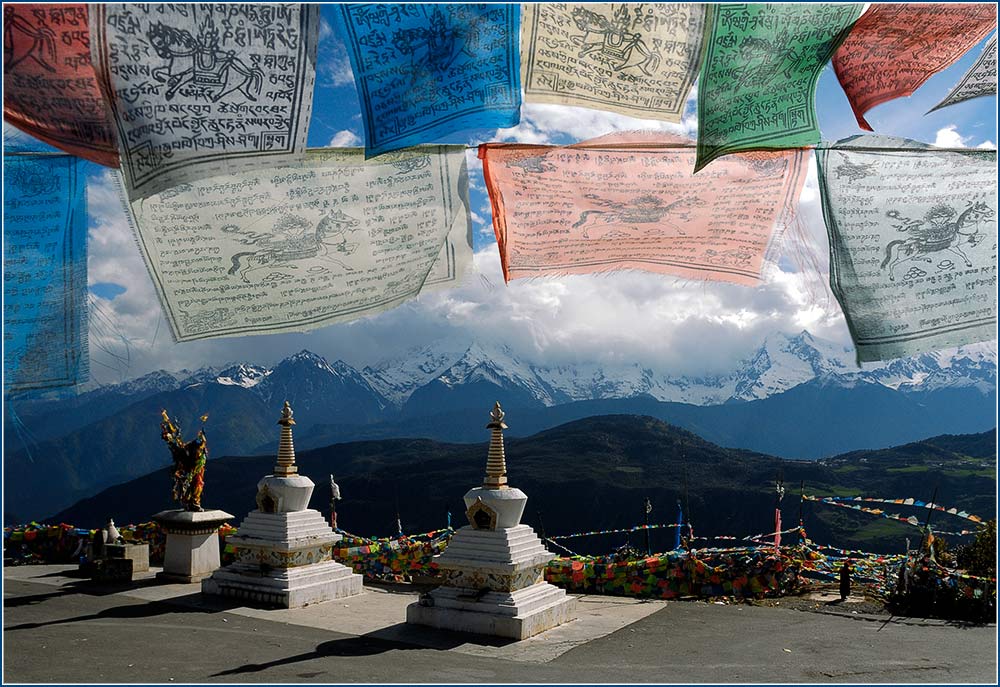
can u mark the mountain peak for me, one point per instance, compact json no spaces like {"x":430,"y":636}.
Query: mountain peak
{"x":305,"y":355}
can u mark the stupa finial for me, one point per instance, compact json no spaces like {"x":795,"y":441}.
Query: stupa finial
{"x":496,"y":465}
{"x":286,"y":449}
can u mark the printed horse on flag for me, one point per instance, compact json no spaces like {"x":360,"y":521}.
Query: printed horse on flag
{"x":935,"y":232}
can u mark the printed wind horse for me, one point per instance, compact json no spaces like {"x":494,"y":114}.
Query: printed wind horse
{"x":612,"y":41}
{"x":294,"y":239}
{"x":650,"y":210}
{"x":939,"y":230}
{"x":200,"y":64}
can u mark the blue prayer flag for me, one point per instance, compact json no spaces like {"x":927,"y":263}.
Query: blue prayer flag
{"x":45,"y":272}
{"x":424,"y":71}
{"x":680,"y":522}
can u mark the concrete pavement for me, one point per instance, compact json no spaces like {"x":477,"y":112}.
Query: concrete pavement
{"x":57,"y":629}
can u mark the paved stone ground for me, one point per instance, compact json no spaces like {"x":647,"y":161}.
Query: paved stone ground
{"x":59,"y":631}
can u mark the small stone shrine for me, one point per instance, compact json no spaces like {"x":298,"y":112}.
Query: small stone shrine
{"x":109,"y":558}
{"x":494,"y":567}
{"x":284,"y":549}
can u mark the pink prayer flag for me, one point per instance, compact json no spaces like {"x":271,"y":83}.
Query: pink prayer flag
{"x":631,"y":201}
{"x":893,"y":49}
{"x":49,"y":87}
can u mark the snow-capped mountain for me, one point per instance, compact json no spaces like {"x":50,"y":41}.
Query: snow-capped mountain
{"x":781,"y":362}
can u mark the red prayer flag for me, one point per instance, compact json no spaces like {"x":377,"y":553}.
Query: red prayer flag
{"x":631,"y":201}
{"x":50,"y":90}
{"x":893,"y":49}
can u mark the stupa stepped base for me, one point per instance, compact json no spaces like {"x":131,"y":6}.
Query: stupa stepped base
{"x":284,"y":559}
{"x":286,"y":588}
{"x":284,"y":531}
{"x":502,"y":551}
{"x":516,"y":615}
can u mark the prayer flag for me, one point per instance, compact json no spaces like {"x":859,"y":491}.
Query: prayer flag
{"x":424,"y":71}
{"x":980,"y":80}
{"x":630,"y":201}
{"x":637,"y":59}
{"x":200,"y":90}
{"x":680,"y":523}
{"x":50,"y":90}
{"x":330,"y":239}
{"x":45,"y":272}
{"x":758,"y":79}
{"x":894,"y":48}
{"x":913,"y":244}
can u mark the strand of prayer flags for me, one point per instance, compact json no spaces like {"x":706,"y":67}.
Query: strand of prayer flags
{"x":331,"y":239}
{"x":758,"y":78}
{"x":637,"y":528}
{"x":852,"y":504}
{"x":630,"y":201}
{"x":894,"y":48}
{"x":50,"y":90}
{"x":45,"y":272}
{"x":636,"y":59}
{"x":980,"y":80}
{"x":913,"y":243}
{"x":916,"y":503}
{"x":425,"y":71}
{"x":201,"y":90}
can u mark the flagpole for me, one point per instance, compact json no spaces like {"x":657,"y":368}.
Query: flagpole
{"x":646,"y":509}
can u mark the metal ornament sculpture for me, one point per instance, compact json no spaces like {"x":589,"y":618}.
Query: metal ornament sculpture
{"x":189,"y":463}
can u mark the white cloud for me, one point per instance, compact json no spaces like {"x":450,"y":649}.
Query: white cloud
{"x":948,"y":137}
{"x":553,"y":124}
{"x":333,"y":65}
{"x":987,"y":145}
{"x":345,"y":139}
{"x":674,"y":324}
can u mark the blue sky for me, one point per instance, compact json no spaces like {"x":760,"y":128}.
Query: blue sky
{"x":666,"y":323}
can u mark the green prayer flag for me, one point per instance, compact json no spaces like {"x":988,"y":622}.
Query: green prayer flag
{"x":913,"y":243}
{"x":758,"y":79}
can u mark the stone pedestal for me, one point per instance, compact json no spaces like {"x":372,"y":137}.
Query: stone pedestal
{"x":494,"y":585}
{"x":137,"y":553}
{"x":285,"y":560}
{"x":192,"y":550}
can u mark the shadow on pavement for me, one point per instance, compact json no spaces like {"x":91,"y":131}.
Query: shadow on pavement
{"x":150,"y":609}
{"x":399,"y":637}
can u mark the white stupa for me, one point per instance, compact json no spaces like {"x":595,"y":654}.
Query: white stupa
{"x":494,"y":567}
{"x":284,"y":549}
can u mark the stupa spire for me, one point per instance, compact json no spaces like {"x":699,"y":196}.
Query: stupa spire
{"x":496,"y":465}
{"x":286,"y":448}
